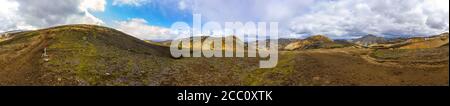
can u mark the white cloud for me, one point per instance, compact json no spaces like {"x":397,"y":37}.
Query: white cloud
{"x":138,"y":28}
{"x":33,"y":14}
{"x":382,"y":17}
{"x":7,"y":17}
{"x":337,"y":18}
{"x":130,"y":2}
{"x":85,"y":18}
{"x":182,"y":5}
{"x":246,"y":10}
{"x":93,"y":5}
{"x":251,"y":10}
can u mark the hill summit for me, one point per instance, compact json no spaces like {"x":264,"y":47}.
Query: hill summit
{"x":313,"y":42}
{"x":319,"y":38}
{"x":75,"y":55}
{"x":369,"y":40}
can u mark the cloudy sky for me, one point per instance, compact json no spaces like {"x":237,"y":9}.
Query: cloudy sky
{"x":150,"y":19}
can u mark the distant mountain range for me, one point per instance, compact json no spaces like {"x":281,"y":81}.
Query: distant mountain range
{"x":313,"y":42}
{"x":416,"y":42}
{"x":323,"y":42}
{"x":12,"y":32}
{"x":369,"y":40}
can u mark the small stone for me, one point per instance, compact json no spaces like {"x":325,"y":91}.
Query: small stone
{"x":316,"y":78}
{"x":46,"y":59}
{"x":59,"y":79}
{"x":108,"y":74}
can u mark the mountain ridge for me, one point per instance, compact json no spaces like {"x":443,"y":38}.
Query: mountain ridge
{"x":73,"y":51}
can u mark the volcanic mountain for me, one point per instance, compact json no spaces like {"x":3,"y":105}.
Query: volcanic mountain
{"x":427,"y":42}
{"x":369,"y":40}
{"x":203,"y":40}
{"x":313,"y":42}
{"x":416,"y":42}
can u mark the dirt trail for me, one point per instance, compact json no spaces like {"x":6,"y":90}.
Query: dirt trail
{"x":374,"y":61}
{"x":24,"y":68}
{"x":334,"y":67}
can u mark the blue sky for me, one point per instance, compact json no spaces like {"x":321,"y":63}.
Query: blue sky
{"x":150,"y":19}
{"x":155,"y":14}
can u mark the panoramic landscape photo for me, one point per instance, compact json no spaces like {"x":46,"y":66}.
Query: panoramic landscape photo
{"x":224,"y":42}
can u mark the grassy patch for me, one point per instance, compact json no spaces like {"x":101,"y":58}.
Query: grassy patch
{"x":388,"y":54}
